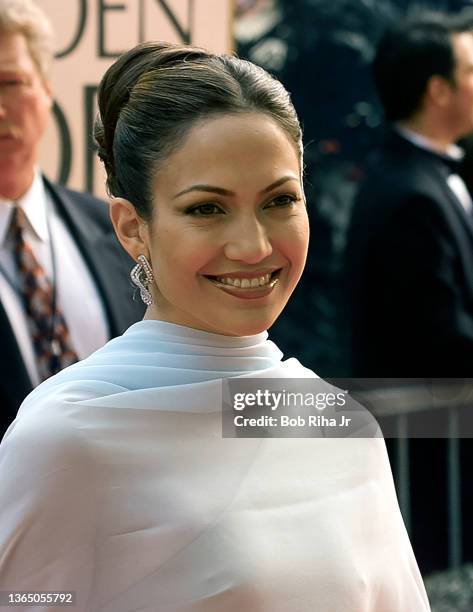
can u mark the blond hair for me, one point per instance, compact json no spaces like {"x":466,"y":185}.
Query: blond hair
{"x":25,"y":17}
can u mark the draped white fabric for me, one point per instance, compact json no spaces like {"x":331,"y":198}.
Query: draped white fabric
{"x":116,"y":483}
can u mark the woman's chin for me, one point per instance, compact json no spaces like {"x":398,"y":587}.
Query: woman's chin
{"x":227,"y":323}
{"x":235,"y":330}
{"x":248,"y":328}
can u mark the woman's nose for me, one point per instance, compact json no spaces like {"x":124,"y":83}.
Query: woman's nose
{"x":249,"y":242}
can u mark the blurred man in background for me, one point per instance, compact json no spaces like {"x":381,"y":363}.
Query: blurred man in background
{"x":57,"y":304}
{"x":409,"y":258}
{"x":410,"y":246}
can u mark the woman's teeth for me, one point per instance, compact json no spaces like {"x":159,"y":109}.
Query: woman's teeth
{"x":245,"y":283}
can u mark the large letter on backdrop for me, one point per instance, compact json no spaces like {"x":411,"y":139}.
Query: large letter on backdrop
{"x":90,"y":34}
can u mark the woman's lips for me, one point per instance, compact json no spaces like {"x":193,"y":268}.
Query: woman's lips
{"x":248,"y":293}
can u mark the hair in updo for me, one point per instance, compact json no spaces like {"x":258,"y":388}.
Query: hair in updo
{"x":153,"y":94}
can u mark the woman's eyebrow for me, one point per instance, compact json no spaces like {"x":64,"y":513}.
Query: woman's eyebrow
{"x":208,"y":188}
{"x":226,"y":192}
{"x":279,"y":182}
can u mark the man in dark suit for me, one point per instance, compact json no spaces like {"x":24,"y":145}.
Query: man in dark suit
{"x":410,"y":244}
{"x":409,"y":256}
{"x":64,"y":286}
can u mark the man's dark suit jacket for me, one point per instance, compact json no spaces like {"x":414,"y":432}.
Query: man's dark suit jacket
{"x":409,"y":290}
{"x":87,"y":220}
{"x":409,"y":269}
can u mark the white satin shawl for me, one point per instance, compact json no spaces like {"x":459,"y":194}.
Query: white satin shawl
{"x":116,"y":484}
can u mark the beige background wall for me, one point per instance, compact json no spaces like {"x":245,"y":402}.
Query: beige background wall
{"x":90,"y":34}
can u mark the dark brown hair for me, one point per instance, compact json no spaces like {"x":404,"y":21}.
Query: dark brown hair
{"x":153,"y":94}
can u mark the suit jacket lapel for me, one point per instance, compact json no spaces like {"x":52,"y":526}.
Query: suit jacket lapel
{"x":466,"y":218}
{"x":449,"y":196}
{"x":107,"y":262}
{"x":431,"y":164}
{"x":15,"y":382}
{"x":435,"y":173}
{"x":460,"y":222}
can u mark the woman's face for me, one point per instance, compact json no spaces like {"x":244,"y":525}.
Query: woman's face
{"x":229,"y":234}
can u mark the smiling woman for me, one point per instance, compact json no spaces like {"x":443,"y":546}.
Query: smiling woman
{"x":117,"y":481}
{"x":220,"y":175}
{"x":241,"y":235}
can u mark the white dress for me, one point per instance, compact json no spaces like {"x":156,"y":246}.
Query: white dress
{"x":116,"y":483}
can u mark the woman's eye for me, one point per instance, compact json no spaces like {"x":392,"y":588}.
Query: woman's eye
{"x":282,"y":201}
{"x":205,"y":210}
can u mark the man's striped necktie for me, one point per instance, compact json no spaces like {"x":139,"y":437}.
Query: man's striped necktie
{"x":47,"y":327}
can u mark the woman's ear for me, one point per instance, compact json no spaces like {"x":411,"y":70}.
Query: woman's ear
{"x":129,"y":227}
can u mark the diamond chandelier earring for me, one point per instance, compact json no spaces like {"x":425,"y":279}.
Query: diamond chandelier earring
{"x":142,"y":277}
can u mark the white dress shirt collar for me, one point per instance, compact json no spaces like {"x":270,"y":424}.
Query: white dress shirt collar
{"x":453,"y":151}
{"x":454,"y":181}
{"x":34,"y":205}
